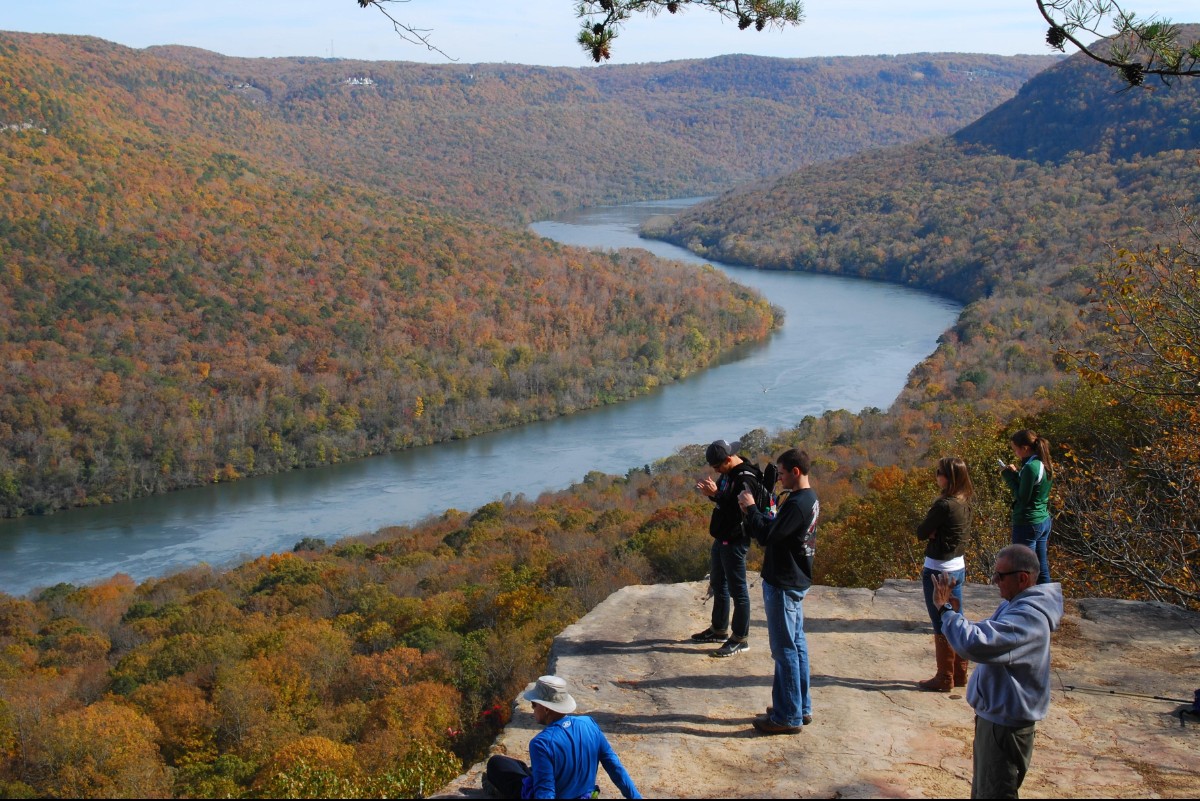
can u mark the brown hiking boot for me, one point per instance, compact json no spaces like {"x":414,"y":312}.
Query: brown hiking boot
{"x":943,"y":680}
{"x":768,"y":726}
{"x":960,"y":670}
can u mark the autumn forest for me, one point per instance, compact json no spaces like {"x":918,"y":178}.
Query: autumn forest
{"x":215,"y":267}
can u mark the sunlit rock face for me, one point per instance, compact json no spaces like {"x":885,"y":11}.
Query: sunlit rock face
{"x":681,"y":721}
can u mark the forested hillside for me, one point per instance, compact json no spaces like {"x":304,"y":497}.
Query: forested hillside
{"x":1072,"y":111}
{"x":366,"y":669}
{"x":176,"y":310}
{"x":522,"y":142}
{"x":1007,"y":214}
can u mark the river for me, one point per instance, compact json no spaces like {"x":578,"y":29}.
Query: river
{"x":845,"y":344}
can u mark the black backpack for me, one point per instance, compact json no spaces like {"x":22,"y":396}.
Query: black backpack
{"x":769,"y":480}
{"x":766,"y":499}
{"x":764,"y":486}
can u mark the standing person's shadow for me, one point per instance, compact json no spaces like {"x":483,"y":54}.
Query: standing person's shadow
{"x":833,"y":625}
{"x":676,"y":723}
{"x":598,"y":647}
{"x":866,"y":685}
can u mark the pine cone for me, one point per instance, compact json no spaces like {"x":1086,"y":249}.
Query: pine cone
{"x":1055,"y":37}
{"x":1133,"y":74}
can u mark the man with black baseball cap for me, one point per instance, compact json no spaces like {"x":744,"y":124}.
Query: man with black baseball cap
{"x":727,"y":558}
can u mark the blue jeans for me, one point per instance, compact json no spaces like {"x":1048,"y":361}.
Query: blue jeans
{"x":727,"y":572}
{"x":927,"y":584}
{"x":789,"y":648}
{"x":1037,"y":537}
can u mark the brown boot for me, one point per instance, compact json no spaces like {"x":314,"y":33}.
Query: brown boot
{"x":943,"y":681}
{"x":960,"y":670}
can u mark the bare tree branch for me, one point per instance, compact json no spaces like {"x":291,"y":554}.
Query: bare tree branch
{"x":417,"y":36}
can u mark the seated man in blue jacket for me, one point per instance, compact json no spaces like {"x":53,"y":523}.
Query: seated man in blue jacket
{"x":563,"y":756}
{"x":1010,"y":688}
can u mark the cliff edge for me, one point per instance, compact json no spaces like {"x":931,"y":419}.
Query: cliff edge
{"x":681,"y":721}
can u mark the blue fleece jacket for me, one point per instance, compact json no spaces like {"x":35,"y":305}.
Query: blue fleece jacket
{"x":563,"y":758}
{"x":1011,"y":684}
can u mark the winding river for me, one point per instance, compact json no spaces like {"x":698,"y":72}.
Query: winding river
{"x":845,"y":344}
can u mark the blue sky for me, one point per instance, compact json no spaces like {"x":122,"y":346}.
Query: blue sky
{"x":543,"y":31}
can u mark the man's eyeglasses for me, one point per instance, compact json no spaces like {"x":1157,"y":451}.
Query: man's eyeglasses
{"x":997,"y":575}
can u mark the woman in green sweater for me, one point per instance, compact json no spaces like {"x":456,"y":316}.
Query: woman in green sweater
{"x":1030,"y":484}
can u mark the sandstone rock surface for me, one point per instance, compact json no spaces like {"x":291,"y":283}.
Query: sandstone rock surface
{"x":681,"y":721}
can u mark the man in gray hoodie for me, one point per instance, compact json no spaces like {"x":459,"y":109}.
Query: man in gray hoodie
{"x":1010,"y":688}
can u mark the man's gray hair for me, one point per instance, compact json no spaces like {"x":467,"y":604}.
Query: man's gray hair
{"x":1020,"y":557}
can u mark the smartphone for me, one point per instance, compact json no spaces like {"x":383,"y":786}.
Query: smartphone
{"x":1000,"y":462}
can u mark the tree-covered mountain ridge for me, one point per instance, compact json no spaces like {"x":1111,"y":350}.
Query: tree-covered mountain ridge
{"x":177,"y":309}
{"x":523,"y":142}
{"x":951,"y":213}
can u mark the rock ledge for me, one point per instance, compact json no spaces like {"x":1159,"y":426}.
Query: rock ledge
{"x":680,"y":721}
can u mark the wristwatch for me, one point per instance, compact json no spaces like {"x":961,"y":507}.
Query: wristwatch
{"x":946,"y":607}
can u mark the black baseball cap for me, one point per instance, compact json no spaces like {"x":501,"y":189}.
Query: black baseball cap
{"x":719,"y":451}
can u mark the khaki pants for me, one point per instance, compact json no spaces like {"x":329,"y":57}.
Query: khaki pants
{"x":1002,"y":756}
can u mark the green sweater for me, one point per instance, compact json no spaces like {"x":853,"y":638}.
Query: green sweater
{"x":1031,"y":492}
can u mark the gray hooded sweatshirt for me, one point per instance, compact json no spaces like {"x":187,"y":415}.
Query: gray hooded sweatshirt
{"x":1011,"y":684}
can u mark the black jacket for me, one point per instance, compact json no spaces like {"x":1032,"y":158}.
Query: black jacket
{"x":789,"y":540}
{"x":949,"y":520}
{"x":726,"y":520}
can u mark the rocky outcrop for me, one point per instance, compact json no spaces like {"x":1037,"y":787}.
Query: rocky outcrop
{"x":681,"y":721}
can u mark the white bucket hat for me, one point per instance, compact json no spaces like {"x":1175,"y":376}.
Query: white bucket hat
{"x":551,"y":692}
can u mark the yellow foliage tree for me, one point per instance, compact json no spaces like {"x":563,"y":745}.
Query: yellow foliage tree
{"x":102,"y":751}
{"x":186,"y":720}
{"x":424,"y":710}
{"x":310,"y":767}
{"x":874,"y":538}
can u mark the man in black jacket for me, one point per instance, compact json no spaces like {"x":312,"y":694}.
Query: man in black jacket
{"x":789,"y":541}
{"x":727,"y":566}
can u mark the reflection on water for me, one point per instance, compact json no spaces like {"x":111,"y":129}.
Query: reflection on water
{"x":845,"y":344}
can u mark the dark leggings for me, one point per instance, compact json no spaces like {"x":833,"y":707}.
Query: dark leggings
{"x":506,"y":775}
